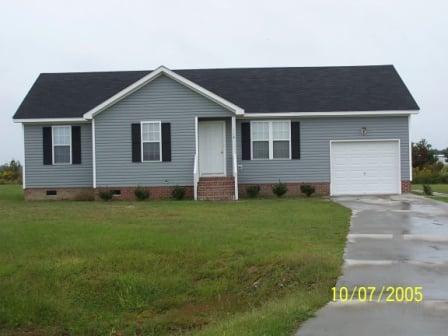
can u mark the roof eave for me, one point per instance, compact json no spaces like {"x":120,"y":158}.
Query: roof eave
{"x":48,"y":120}
{"x":330,"y":114}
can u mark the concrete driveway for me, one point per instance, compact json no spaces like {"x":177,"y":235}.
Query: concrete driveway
{"x":393,"y":241}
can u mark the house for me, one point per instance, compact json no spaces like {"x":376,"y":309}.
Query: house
{"x":442,"y":159}
{"x":344,"y":130}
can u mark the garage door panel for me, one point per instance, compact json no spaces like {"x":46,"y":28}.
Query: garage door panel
{"x":365,"y":167}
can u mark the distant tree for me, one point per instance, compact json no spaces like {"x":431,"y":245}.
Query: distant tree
{"x":423,"y":154}
{"x":11,"y":172}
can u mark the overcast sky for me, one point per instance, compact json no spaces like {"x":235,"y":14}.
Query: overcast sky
{"x":61,"y":36}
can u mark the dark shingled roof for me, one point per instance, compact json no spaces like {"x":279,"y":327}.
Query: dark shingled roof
{"x":256,"y":90}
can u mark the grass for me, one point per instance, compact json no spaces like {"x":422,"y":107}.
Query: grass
{"x":440,"y":188}
{"x":254,"y":267}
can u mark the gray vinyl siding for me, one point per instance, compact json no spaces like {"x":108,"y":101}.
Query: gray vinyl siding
{"x":316,"y":133}
{"x":52,"y":176}
{"x":163,"y":100}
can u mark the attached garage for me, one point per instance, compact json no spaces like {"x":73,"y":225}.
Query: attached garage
{"x":365,"y":167}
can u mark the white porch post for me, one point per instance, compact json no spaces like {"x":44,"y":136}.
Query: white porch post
{"x":234,"y":158}
{"x":195,"y":163}
{"x":94,"y":153}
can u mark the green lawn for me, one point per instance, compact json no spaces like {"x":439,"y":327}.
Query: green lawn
{"x":256,"y":267}
{"x":442,"y":188}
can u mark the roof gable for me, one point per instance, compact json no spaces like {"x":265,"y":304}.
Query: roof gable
{"x":150,"y":77}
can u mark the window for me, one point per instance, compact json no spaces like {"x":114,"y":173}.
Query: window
{"x":62,"y":144}
{"x":271,"y":139}
{"x":281,"y":139}
{"x":260,"y":139}
{"x":151,"y":143}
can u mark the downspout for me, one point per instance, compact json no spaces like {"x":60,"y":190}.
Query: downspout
{"x":24,"y":163}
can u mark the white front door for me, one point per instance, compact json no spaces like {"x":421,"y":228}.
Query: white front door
{"x":365,"y":167}
{"x":212,"y":148}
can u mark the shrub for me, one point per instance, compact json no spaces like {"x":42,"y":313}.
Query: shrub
{"x":106,"y":195}
{"x":430,"y":174}
{"x":307,"y":189}
{"x":253,"y":191}
{"x":11,"y":172}
{"x":427,"y":190}
{"x":279,"y":189}
{"x":141,"y":194}
{"x":178,"y":192}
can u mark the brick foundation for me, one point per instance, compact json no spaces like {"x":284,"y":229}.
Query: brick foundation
{"x":74,"y":194}
{"x":406,"y":186}
{"x":225,"y":191}
{"x":322,"y":188}
{"x":155,"y":193}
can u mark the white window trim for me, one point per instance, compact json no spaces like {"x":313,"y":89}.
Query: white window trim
{"x":270,"y":141}
{"x":53,"y":145}
{"x":142,"y":142}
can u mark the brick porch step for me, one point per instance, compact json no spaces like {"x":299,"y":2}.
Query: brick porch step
{"x":216,"y":188}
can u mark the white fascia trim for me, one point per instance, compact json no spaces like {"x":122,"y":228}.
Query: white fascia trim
{"x":410,"y":148}
{"x":327,"y":114}
{"x":153,"y":75}
{"x":49,"y":120}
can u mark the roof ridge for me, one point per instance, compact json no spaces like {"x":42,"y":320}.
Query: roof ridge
{"x":230,"y":68}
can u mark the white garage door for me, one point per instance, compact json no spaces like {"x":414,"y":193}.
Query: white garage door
{"x":365,"y":167}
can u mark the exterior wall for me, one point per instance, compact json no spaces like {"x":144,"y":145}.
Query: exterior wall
{"x":315,"y":134}
{"x":51,"y":176}
{"x":162,"y":99}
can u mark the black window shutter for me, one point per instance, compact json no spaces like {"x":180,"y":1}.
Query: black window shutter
{"x":166,"y":142}
{"x":76,"y":144}
{"x":136,"y":143}
{"x":47,"y":145}
{"x":245,"y":141}
{"x":295,"y":140}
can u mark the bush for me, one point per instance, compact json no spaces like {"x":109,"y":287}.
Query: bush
{"x":106,"y":195}
{"x":178,"y":192}
{"x":279,"y":189}
{"x":430,"y":174}
{"x":427,"y":190}
{"x":141,"y":194}
{"x":11,"y":173}
{"x":307,"y":189}
{"x":253,"y":191}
